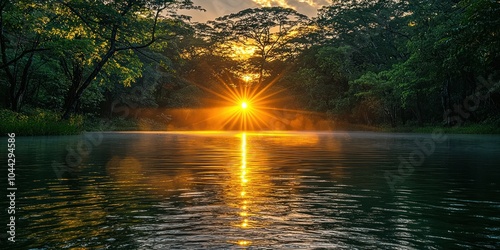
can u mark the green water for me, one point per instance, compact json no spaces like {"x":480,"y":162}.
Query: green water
{"x":268,"y":190}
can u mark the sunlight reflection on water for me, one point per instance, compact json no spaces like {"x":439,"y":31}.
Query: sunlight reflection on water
{"x":159,"y":190}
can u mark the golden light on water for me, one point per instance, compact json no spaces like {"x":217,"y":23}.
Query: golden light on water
{"x":250,"y":190}
{"x":243,"y":243}
{"x":244,"y":183}
{"x":244,"y":224}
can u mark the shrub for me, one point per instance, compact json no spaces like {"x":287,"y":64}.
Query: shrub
{"x":38,"y":122}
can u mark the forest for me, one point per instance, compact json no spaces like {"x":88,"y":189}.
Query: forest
{"x":66,"y":66}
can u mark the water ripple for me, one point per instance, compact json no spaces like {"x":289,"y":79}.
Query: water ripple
{"x":271,"y":191}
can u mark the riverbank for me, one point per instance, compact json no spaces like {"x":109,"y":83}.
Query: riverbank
{"x":472,"y":128}
{"x":38,"y":122}
{"x":465,"y":129}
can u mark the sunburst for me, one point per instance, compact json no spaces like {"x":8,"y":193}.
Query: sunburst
{"x":244,"y":107}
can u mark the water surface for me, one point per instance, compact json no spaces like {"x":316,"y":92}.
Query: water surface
{"x":257,"y":190}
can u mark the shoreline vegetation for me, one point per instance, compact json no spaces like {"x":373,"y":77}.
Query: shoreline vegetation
{"x":37,"y":122}
{"x":387,"y":66}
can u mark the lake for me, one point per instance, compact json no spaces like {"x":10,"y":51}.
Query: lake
{"x":219,"y":190}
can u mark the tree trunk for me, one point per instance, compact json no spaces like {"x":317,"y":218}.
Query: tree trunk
{"x":17,"y":90}
{"x":76,"y":82}
{"x":18,"y":97}
{"x":419,"y":112}
{"x":78,"y":85}
{"x":445,"y":101}
{"x":390,"y":112}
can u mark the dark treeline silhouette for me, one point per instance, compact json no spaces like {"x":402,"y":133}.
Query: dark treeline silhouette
{"x":385,"y":62}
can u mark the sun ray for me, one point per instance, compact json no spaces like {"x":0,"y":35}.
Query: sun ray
{"x":266,"y":97}
{"x":242,"y":106}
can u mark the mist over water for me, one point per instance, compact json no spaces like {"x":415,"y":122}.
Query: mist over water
{"x":216,"y":190}
{"x":229,"y":118}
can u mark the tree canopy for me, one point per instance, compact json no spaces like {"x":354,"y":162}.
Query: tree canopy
{"x":369,"y":62}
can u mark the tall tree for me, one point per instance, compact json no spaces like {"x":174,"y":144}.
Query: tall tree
{"x":100,"y":30}
{"x":23,"y":26}
{"x":270,"y":31}
{"x":375,"y":29}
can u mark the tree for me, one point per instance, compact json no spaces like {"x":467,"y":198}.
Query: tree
{"x":319,"y":79}
{"x":270,"y":31}
{"x":376,"y":30}
{"x":22,"y":36}
{"x":100,"y":31}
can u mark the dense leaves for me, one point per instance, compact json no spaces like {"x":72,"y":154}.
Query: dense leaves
{"x":90,"y":45}
{"x":406,"y":62}
{"x":370,"y":62}
{"x":270,"y":32}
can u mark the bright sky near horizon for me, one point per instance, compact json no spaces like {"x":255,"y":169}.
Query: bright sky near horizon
{"x":217,"y":8}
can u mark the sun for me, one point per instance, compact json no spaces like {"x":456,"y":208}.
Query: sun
{"x":244,"y":105}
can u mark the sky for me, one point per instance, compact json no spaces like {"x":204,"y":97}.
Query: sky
{"x":217,"y":8}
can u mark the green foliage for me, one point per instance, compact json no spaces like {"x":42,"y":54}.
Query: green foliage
{"x":405,"y":62}
{"x":65,"y":53}
{"x":272,"y":32}
{"x":38,"y":122}
{"x":384,"y":62}
{"x":320,"y":81}
{"x":479,"y":31}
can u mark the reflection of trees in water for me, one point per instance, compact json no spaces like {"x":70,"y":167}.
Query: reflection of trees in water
{"x":170,"y":163}
{"x":85,"y":210}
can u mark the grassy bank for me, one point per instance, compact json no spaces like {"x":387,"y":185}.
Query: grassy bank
{"x":464,"y":129}
{"x":490,"y":126}
{"x":38,"y":122}
{"x":35,"y":122}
